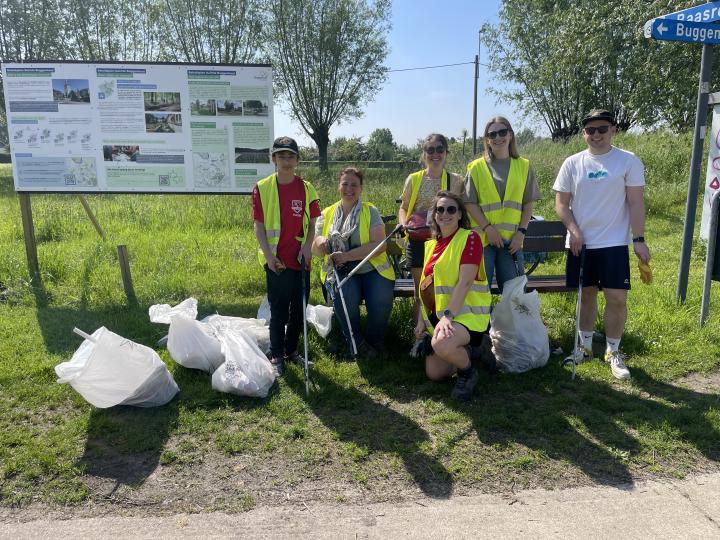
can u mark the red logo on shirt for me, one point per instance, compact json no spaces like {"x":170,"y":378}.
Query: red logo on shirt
{"x":296,"y":206}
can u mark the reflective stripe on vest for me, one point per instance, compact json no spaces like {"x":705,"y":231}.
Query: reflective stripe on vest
{"x":270,"y":201}
{"x":475,"y":313}
{"x":503,"y":215}
{"x":380,"y":262}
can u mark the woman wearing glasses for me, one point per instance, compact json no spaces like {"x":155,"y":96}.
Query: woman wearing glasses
{"x":455,"y":296}
{"x":500,"y":189}
{"x":417,"y":198}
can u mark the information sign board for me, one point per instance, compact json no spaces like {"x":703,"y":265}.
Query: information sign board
{"x":176,"y":128}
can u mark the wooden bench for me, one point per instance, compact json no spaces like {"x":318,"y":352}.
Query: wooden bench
{"x":541,"y":237}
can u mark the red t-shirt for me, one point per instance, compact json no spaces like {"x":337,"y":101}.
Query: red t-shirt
{"x":292,"y":208}
{"x":472,"y":253}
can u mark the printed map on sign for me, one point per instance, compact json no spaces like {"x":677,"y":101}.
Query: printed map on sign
{"x":138,"y":127}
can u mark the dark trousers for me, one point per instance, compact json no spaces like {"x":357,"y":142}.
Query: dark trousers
{"x":285,"y":297}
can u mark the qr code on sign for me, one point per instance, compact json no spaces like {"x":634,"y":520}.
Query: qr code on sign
{"x":70,"y":179}
{"x":164,"y":179}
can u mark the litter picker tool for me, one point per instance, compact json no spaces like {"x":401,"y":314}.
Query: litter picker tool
{"x":370,"y":255}
{"x":334,"y":289}
{"x":306,"y":365}
{"x":578,"y":346}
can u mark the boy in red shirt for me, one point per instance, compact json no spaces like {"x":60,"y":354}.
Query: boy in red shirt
{"x":285,"y":208}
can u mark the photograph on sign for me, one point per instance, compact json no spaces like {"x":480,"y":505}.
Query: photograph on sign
{"x":138,"y":127}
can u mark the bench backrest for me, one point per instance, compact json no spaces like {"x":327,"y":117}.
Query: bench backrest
{"x":545,"y":236}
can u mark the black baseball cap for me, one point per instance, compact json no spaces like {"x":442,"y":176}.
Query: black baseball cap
{"x":285,"y":144}
{"x":598,"y":114}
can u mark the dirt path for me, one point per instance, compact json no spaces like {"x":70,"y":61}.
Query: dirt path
{"x":675,"y":509}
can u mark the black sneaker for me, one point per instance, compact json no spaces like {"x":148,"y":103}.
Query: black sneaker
{"x":295,"y":358}
{"x":465,"y":384}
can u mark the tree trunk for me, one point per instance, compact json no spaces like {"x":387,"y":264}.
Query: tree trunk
{"x":321,"y":136}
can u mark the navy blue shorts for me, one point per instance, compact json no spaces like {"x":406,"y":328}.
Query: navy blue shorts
{"x":605,"y":268}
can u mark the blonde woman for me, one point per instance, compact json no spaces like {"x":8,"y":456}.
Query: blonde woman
{"x":500,"y":190}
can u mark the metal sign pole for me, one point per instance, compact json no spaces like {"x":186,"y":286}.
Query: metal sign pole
{"x":477,"y":75}
{"x":695,"y":163}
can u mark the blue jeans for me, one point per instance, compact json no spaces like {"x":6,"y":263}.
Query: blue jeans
{"x":378,"y":295}
{"x":499,"y":260}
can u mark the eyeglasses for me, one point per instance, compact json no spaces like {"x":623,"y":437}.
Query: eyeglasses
{"x":602,"y":130}
{"x":498,"y":133}
{"x":435,"y":149}
{"x":450,"y":209}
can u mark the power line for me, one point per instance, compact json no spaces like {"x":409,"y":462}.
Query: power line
{"x":430,"y":67}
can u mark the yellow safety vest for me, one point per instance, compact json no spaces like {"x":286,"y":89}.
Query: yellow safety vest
{"x":416,"y":179}
{"x":381,"y":263}
{"x":503,"y":215}
{"x":267,"y":188}
{"x":475,"y":313}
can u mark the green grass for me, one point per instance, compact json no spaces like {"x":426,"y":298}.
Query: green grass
{"x":379,"y":428}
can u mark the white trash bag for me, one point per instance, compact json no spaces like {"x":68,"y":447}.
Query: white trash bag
{"x":162,"y":313}
{"x":193,"y":344}
{"x":109,"y":370}
{"x":255,"y":328}
{"x":519,"y":337}
{"x":319,"y":316}
{"x":246,"y":371}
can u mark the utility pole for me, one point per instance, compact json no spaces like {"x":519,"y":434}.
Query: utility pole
{"x":477,"y":74}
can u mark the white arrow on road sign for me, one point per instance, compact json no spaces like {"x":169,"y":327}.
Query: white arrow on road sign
{"x":675,"y":30}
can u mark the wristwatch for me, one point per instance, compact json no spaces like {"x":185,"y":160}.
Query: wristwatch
{"x":522,"y":230}
{"x":447,"y":314}
{"x":640,"y":239}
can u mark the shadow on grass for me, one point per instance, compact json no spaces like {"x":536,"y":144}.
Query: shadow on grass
{"x":605,"y":431}
{"x":358,"y":419}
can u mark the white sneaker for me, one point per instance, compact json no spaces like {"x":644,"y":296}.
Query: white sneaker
{"x":616,"y":359}
{"x":579,"y":356}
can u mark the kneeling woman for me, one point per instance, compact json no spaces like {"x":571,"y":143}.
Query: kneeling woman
{"x":455,"y":295}
{"x":347,"y":232}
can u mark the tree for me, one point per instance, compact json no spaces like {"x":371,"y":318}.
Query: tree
{"x":612,"y":64}
{"x":215,"y":31}
{"x":380,"y":145}
{"x":328,"y":57}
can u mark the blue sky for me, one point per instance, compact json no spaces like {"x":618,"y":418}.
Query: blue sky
{"x":415,"y":103}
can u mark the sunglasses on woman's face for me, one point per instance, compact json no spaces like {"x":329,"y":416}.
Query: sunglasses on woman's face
{"x":435,"y":149}
{"x":602,"y":130}
{"x":450,"y":209}
{"x":498,"y":133}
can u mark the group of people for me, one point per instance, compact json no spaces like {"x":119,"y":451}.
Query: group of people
{"x":461,"y":232}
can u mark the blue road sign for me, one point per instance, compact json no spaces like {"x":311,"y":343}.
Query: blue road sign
{"x":705,"y":13}
{"x":676,"y":30}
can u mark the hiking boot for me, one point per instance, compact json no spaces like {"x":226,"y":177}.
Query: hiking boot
{"x":579,"y":356}
{"x":616,"y":359}
{"x":278,"y":366}
{"x":465,"y":384}
{"x":482,"y":355}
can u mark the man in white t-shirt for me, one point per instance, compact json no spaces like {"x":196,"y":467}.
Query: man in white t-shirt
{"x":599,"y":196}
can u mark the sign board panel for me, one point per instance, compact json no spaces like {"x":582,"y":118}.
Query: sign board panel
{"x":703,"y":13}
{"x":674,"y":30}
{"x":167,"y":128}
{"x":712,"y":176}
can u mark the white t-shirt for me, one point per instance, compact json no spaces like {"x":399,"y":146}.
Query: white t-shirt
{"x":597,"y":185}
